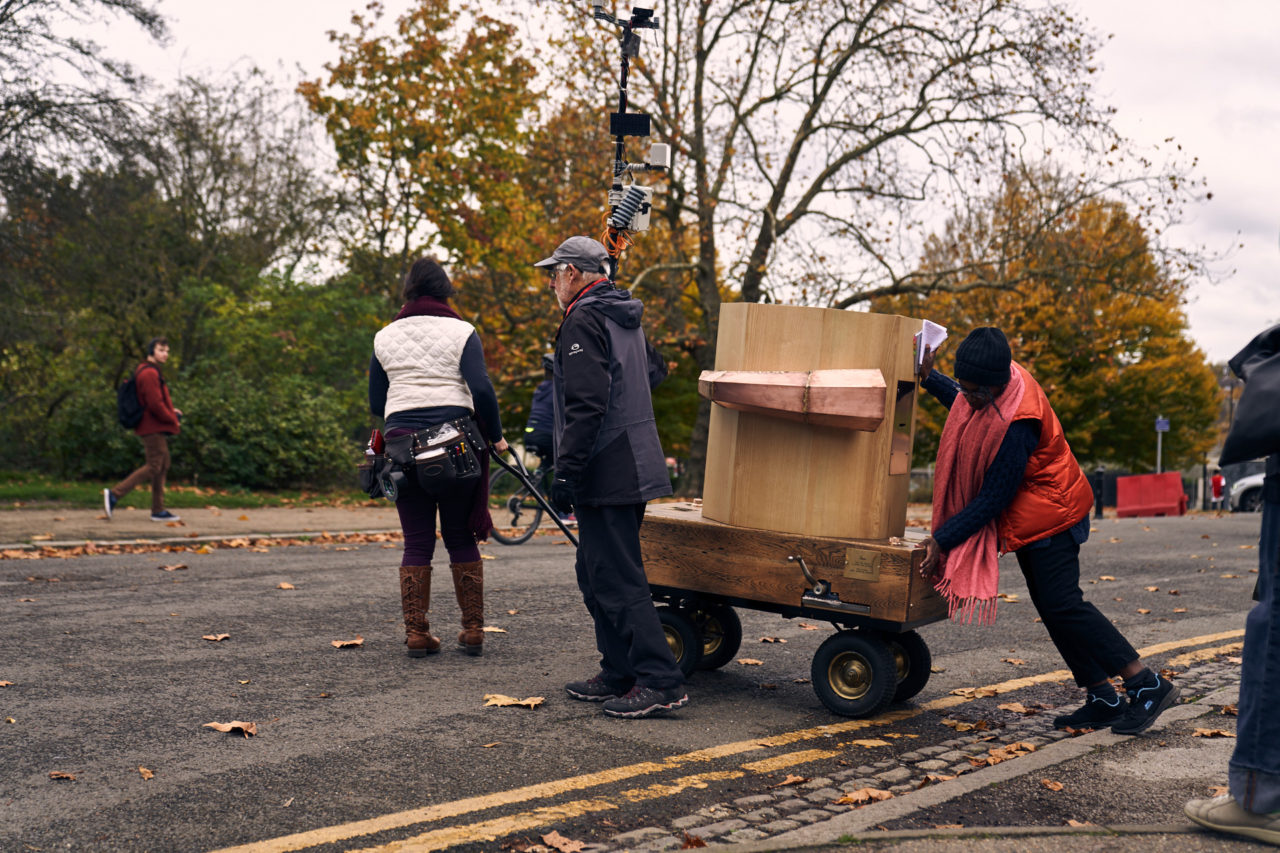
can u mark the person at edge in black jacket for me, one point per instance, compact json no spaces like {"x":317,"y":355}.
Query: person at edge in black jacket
{"x":609,"y":464}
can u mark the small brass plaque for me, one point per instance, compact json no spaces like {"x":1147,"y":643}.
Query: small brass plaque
{"x":862,"y":565}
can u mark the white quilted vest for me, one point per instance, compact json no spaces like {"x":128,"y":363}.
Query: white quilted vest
{"x":421,"y":356}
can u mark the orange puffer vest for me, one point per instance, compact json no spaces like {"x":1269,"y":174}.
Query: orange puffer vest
{"x":1054,"y":494}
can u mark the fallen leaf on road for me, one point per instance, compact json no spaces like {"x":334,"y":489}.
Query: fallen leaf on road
{"x":203,"y":549}
{"x":1010,"y":597}
{"x":59,"y":775}
{"x":559,"y":842}
{"x":863,"y":796}
{"x":1229,"y":576}
{"x":772,"y":640}
{"x":1073,"y":822}
{"x":1115,"y":539}
{"x":500,"y":701}
{"x":1051,"y":785}
{"x":997,"y":754}
{"x":42,"y":537}
{"x":176,"y":567}
{"x":284,"y":585}
{"x":1152,"y":588}
{"x":1227,"y":710}
{"x":974,"y":692}
{"x":1174,"y":592}
{"x":791,"y":779}
{"x":343,"y":548}
{"x":491,"y":745}
{"x":493,"y":629}
{"x":931,"y":778}
{"x":347,"y":644}
{"x":146,"y":774}
{"x":948,"y":826}
{"x":6,"y":683}
{"x":246,"y":729}
{"x":1117,"y":598}
{"x":1179,"y":610}
{"x":806,"y":626}
{"x":242,"y":518}
{"x":215,"y":638}
{"x":243,"y":681}
{"x":1018,"y":708}
{"x":937,"y":669}
{"x":799,"y":681}
{"x":1014,"y":661}
{"x":1105,"y":578}
{"x":750,"y":662}
{"x":512,"y":612}
{"x":962,"y":726}
{"x":691,"y":842}
{"x":1212,"y":733}
{"x":1143,"y":610}
{"x":175,"y":524}
{"x":869,"y":743}
{"x":1218,"y":790}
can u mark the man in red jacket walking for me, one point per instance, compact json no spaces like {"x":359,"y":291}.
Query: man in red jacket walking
{"x":159,"y":421}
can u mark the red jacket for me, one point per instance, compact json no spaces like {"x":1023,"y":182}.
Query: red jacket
{"x":1054,"y":494}
{"x":158,"y":414}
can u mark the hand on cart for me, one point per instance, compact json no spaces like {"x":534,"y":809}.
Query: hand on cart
{"x":929,"y":565}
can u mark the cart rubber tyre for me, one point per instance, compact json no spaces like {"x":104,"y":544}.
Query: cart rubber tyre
{"x":516,"y":512}
{"x":682,"y":638}
{"x":854,"y":674}
{"x":912,"y":661}
{"x":720,"y":630}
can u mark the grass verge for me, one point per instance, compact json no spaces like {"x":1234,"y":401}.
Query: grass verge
{"x":25,"y":489}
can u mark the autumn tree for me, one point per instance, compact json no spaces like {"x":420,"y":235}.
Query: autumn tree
{"x":448,"y":146}
{"x":1088,"y":308}
{"x":816,"y":139}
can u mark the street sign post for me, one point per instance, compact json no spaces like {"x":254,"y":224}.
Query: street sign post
{"x":1162,"y":426}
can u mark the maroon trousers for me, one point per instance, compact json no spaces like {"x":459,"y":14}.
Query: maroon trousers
{"x":154,"y":469}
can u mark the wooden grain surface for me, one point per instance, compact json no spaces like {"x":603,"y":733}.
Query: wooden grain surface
{"x":686,"y":551}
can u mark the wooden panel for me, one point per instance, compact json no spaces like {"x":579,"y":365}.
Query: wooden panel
{"x":772,"y":474}
{"x":685,"y":551}
{"x":849,"y":399}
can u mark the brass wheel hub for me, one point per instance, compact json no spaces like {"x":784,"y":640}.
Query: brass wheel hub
{"x":849,"y":675}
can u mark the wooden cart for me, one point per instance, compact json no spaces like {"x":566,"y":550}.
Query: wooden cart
{"x":869,"y":590}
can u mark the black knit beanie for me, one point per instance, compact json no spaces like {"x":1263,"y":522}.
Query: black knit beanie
{"x":983,"y":358}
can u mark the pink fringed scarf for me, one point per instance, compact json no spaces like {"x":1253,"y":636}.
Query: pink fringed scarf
{"x":970,"y":439}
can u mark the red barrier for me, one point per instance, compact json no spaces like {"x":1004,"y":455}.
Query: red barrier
{"x":1150,"y":494}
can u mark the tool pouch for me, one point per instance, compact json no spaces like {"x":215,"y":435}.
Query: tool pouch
{"x":445,"y":456}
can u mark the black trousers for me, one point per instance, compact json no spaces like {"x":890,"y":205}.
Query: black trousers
{"x":633,"y":647}
{"x":1092,"y":647}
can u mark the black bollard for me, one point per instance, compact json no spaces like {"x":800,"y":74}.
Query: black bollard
{"x":1098,"y":483}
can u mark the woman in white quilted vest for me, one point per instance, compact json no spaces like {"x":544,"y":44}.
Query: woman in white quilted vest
{"x":428,"y":369}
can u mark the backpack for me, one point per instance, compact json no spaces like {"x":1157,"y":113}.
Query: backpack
{"x":128,"y":407}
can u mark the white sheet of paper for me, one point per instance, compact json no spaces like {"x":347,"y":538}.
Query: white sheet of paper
{"x":931,"y":335}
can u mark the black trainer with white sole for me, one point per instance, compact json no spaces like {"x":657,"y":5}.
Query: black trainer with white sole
{"x":1145,"y":704}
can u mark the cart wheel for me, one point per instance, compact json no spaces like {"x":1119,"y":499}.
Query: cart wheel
{"x":912,"y":659}
{"x":682,"y":637}
{"x":721,"y":632}
{"x":853,"y":674}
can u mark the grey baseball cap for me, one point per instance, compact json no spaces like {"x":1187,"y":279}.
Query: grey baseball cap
{"x":583,"y":253}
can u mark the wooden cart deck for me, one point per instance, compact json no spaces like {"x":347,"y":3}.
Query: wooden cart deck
{"x":873,"y":583}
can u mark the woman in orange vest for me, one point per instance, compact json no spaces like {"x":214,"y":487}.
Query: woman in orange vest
{"x":1006,"y":481}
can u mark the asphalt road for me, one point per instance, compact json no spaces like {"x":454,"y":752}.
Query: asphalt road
{"x":110,"y":673}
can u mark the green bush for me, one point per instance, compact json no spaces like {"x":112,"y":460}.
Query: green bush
{"x":275,"y":433}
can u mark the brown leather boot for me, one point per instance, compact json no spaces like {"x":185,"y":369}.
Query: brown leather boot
{"x":415,"y":600}
{"x":468,"y":583}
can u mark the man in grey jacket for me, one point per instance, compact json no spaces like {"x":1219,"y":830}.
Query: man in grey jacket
{"x":609,"y":464}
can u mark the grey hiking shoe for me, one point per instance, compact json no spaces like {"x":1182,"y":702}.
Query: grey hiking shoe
{"x":594,"y":689}
{"x":646,"y":701}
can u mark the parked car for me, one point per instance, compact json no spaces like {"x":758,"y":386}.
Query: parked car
{"x":1246,"y":494}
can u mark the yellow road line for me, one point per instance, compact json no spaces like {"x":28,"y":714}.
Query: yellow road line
{"x":543,"y":790}
{"x":441,"y":839}
{"x":1204,"y":654}
{"x":791,"y":759}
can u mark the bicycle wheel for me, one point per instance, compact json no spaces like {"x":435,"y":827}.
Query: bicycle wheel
{"x":516,"y":513}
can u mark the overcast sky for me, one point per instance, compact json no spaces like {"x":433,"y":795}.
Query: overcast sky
{"x":1205,"y":73}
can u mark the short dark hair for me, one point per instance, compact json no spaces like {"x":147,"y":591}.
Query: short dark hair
{"x":154,"y":342}
{"x":427,"y":278}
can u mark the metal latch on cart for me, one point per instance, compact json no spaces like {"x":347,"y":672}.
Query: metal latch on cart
{"x":820,"y":594}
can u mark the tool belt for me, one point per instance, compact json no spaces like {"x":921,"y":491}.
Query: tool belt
{"x":438,"y":458}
